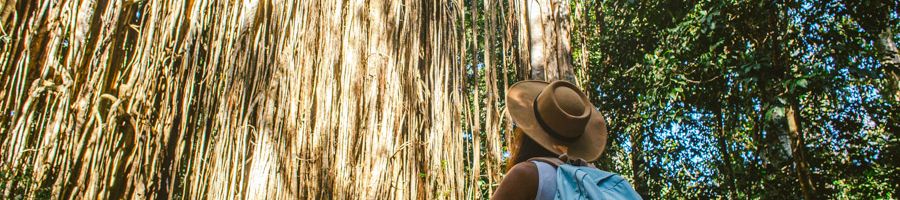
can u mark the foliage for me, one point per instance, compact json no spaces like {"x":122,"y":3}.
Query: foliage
{"x":698,"y":93}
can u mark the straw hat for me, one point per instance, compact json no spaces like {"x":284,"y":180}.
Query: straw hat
{"x":559,"y":117}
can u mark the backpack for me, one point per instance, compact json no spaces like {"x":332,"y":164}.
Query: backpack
{"x":567,"y":180}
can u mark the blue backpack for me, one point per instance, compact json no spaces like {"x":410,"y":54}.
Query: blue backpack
{"x":567,"y":181}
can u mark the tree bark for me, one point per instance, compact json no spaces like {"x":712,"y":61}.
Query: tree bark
{"x":890,"y":60}
{"x":722,"y":145}
{"x":544,"y":27}
{"x":798,"y":152}
{"x":7,"y":8}
{"x":638,"y":166}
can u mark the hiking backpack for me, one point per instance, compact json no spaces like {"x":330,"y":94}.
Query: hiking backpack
{"x":579,"y":181}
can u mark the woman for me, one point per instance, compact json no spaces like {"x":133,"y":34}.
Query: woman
{"x":553,"y":121}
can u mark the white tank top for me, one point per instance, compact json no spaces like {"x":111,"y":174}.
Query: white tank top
{"x":546,"y":181}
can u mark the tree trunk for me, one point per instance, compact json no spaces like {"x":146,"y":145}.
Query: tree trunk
{"x":722,"y":145}
{"x":638,"y":166}
{"x":782,"y":59}
{"x":890,"y":61}
{"x":798,"y":152}
{"x":544,"y":25}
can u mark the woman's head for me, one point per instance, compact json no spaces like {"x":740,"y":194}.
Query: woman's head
{"x":556,"y":116}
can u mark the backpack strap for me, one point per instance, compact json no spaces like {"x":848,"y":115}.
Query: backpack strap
{"x":563,"y":159}
{"x":555,"y":162}
{"x":546,"y":180}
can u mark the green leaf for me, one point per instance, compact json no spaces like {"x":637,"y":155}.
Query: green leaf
{"x":802,"y":83}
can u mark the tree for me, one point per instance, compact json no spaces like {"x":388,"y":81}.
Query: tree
{"x":544,"y":31}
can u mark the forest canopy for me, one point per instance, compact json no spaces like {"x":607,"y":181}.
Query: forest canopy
{"x":383,"y":99}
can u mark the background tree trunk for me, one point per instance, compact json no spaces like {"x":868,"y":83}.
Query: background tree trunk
{"x":890,"y":60}
{"x":544,"y":31}
{"x":798,"y":152}
{"x":722,"y":139}
{"x":638,"y":164}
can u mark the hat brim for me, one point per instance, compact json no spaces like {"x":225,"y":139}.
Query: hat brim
{"x":520,"y":104}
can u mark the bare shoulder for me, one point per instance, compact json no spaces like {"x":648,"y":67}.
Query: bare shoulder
{"x":520,"y":182}
{"x":523,"y":169}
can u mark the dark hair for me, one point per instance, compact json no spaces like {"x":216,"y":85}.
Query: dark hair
{"x":524,"y":148}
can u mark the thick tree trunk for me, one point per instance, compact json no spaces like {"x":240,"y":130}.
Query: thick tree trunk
{"x":544,"y":31}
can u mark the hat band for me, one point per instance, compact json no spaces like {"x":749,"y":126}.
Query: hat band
{"x":546,"y":127}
